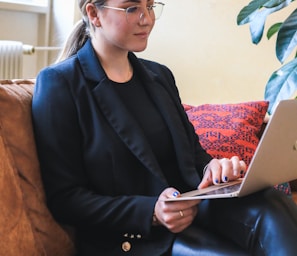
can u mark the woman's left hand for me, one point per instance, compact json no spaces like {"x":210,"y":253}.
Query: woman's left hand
{"x":175,"y":216}
{"x":223,"y":170}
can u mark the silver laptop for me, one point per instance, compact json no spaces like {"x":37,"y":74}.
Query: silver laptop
{"x":274,"y":161}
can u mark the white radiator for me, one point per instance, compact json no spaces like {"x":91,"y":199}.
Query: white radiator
{"x":11,"y":59}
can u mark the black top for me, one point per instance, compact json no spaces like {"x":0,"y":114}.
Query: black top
{"x":138,"y":102}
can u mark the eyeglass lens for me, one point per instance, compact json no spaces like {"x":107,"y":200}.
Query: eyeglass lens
{"x":134,"y":13}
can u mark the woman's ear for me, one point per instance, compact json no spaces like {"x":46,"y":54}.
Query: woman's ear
{"x":92,"y":12}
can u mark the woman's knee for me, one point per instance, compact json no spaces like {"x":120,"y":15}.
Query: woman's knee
{"x":254,"y":222}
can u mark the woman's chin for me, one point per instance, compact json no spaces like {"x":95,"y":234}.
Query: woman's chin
{"x":139,"y":48}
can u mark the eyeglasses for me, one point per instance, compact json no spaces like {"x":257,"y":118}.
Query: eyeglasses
{"x":135,"y":13}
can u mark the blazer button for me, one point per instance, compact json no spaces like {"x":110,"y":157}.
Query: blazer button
{"x":126,"y":246}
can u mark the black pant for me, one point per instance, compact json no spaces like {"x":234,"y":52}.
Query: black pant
{"x":264,"y":223}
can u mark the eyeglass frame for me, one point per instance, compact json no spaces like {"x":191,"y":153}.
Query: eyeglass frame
{"x":149,"y":8}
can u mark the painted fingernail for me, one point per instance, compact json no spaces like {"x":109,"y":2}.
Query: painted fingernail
{"x":242,"y":172}
{"x":216,"y":181}
{"x":175,"y":193}
{"x":225,"y":178}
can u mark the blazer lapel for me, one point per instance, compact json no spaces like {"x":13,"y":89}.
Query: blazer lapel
{"x":173,"y":117}
{"x":180,"y":139}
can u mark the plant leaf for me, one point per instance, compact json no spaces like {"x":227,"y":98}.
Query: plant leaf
{"x":281,"y":85}
{"x":287,"y":37}
{"x":257,"y":25}
{"x":256,"y":16}
{"x":247,"y":13}
{"x":273,"y":29}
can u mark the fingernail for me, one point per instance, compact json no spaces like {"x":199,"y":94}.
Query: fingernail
{"x":216,"y":181}
{"x":175,"y":193}
{"x":242,"y":172}
{"x":225,"y":178}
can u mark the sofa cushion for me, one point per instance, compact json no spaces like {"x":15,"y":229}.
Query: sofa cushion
{"x":22,"y":171}
{"x":16,"y":232}
{"x":226,"y":130}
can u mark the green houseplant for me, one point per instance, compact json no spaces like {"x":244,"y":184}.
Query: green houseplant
{"x":283,"y":82}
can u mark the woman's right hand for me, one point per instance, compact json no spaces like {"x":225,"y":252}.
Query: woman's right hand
{"x":175,"y":215}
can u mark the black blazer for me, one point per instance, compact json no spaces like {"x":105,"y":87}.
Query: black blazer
{"x":99,"y":172}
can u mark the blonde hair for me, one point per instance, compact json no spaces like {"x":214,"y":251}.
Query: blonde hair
{"x":82,"y":30}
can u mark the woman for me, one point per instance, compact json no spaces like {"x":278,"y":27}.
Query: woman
{"x":114,"y":142}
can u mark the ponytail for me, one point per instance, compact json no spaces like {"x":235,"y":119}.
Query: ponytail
{"x":75,"y":40}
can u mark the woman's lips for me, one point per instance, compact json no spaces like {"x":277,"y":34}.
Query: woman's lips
{"x":142,"y":34}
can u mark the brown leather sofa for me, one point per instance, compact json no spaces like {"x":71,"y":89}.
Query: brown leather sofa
{"x":26,"y":225}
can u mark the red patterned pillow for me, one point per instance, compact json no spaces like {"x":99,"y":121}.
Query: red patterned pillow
{"x":226,"y":130}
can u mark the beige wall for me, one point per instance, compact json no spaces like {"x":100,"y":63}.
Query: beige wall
{"x":212,"y":58}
